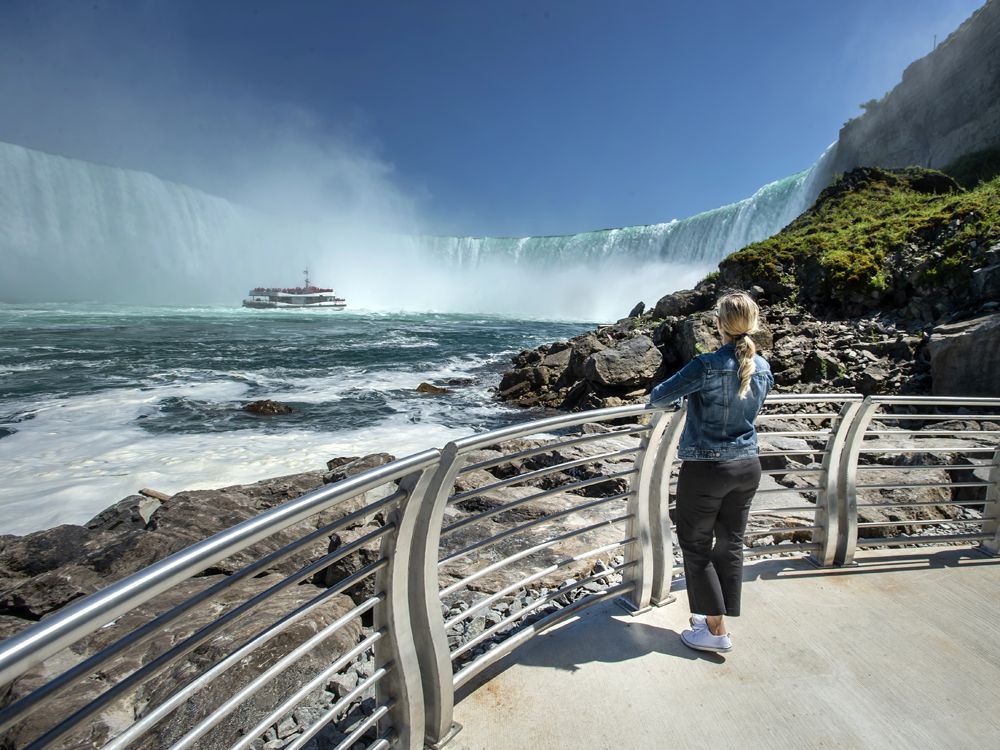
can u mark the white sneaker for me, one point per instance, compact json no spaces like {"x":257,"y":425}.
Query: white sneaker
{"x":701,"y":639}
{"x":698,"y":622}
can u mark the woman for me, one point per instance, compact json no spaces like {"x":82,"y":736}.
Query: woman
{"x":720,"y":470}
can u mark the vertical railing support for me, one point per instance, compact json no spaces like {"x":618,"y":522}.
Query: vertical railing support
{"x":991,"y":511}
{"x":847,"y":537}
{"x":425,"y":603}
{"x":659,"y":510}
{"x":827,"y":505}
{"x":640,"y":552}
{"x":398,"y":654}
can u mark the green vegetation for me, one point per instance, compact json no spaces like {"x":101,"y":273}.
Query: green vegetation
{"x":972,"y":169}
{"x":870,"y":227}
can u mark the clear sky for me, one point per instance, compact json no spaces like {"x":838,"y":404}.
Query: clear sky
{"x":481,"y":117}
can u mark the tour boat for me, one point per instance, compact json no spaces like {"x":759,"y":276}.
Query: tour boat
{"x":266,"y":298}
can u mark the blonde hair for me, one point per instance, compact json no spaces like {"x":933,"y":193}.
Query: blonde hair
{"x":739,"y":318}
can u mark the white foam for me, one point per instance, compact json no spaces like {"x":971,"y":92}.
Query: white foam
{"x":79,"y":456}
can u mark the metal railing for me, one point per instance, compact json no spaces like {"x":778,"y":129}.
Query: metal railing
{"x":404,"y":583}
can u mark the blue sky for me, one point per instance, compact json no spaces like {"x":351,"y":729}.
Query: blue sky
{"x":507,"y":118}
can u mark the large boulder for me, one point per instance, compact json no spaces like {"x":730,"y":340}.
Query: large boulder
{"x":679,"y":304}
{"x":965,"y":357}
{"x":583,"y":347}
{"x":631,"y":363}
{"x":698,"y":335}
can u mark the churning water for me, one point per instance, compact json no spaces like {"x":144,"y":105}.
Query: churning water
{"x":98,"y":401}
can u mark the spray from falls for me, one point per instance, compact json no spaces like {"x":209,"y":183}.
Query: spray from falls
{"x":72,"y":230}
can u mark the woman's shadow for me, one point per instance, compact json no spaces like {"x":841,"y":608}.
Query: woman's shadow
{"x":601,"y":634}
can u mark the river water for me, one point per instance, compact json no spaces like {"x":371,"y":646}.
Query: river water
{"x":97,"y":401}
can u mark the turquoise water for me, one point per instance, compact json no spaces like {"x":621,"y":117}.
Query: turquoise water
{"x":98,"y":401}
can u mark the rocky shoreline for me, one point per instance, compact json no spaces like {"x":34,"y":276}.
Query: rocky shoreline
{"x":921,"y":322}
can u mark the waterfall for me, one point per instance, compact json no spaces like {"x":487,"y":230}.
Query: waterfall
{"x":71,"y":230}
{"x":702,"y":239}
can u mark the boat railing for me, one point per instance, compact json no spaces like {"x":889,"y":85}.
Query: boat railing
{"x":401,"y":585}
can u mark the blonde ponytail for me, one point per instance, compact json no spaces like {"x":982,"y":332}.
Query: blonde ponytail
{"x":739,"y":317}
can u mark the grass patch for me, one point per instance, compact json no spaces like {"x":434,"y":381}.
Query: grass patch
{"x":851,"y":242}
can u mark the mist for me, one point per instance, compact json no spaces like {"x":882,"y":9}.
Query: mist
{"x":213,"y":192}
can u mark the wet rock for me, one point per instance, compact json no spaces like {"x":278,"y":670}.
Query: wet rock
{"x":432,"y":389}
{"x":267,"y":408}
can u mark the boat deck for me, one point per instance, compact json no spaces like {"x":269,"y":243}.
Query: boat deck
{"x":901,"y":650}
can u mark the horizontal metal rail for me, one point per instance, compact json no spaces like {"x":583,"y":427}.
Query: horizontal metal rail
{"x":523,"y":635}
{"x":532,"y":498}
{"x":932,"y":504}
{"x":921,"y":522}
{"x":547,"y":518}
{"x":36,"y":644}
{"x":896,"y":541}
{"x":447,"y":590}
{"x":920,"y":485}
{"x":556,"y":445}
{"x":523,"y":582}
{"x":316,"y":682}
{"x":777,"y":511}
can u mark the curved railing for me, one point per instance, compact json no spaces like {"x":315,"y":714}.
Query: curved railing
{"x":400,"y":585}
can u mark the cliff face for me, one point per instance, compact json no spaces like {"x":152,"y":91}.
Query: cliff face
{"x":947,"y":105}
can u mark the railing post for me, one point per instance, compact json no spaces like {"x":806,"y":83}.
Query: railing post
{"x":401,"y":687}
{"x":425,"y":602}
{"x":827,"y":507}
{"x":991,"y":511}
{"x":659,"y":510}
{"x":641,"y":550}
{"x":847,"y":497}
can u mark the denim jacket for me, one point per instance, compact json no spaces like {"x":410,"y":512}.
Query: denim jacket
{"x":720,"y":425}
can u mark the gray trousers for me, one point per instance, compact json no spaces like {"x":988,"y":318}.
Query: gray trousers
{"x":713,"y":505}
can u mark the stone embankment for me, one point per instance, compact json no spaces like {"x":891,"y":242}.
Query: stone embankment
{"x":881,"y":353}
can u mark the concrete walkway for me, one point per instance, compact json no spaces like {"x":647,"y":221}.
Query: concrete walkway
{"x":901,"y":651}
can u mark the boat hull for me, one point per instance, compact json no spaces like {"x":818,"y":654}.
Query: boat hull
{"x":268,"y":305}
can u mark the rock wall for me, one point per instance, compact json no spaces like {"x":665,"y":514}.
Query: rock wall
{"x":947,"y":105}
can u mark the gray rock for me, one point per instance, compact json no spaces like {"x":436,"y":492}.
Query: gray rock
{"x":873,"y":379}
{"x":45,"y":593}
{"x":132,"y":513}
{"x":681,"y":303}
{"x":357,"y":466}
{"x":631,"y":363}
{"x":583,"y":347}
{"x":965,"y":357}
